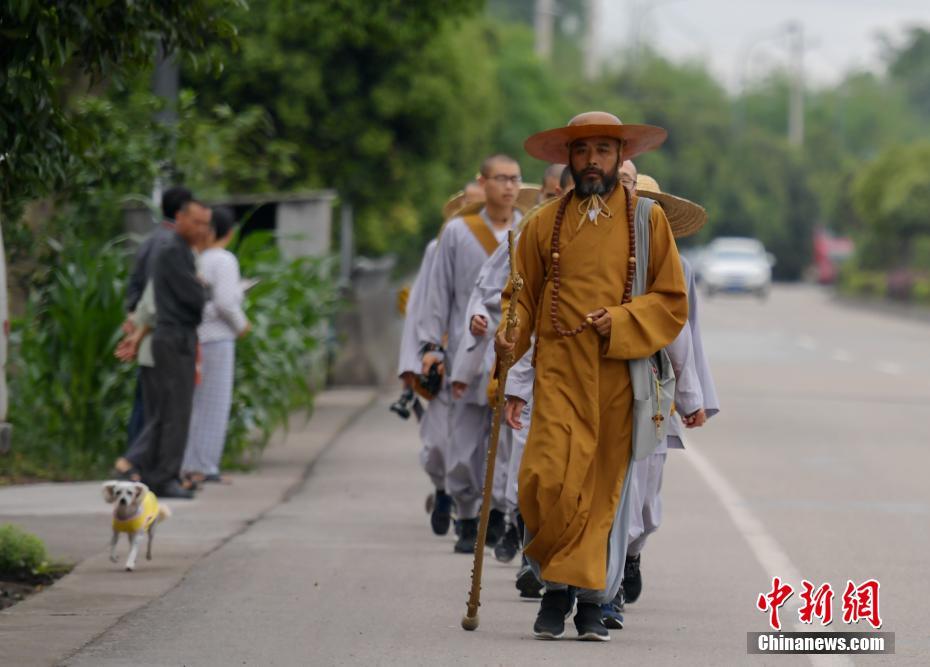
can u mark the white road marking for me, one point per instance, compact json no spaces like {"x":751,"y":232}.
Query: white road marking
{"x":841,"y":355}
{"x":889,"y":367}
{"x":807,"y":343}
{"x":772,"y":558}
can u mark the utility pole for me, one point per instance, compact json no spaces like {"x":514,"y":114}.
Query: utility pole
{"x":592,"y":11}
{"x":543,"y":17}
{"x":796,"y":73}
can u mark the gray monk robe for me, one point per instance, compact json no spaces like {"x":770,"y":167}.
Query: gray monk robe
{"x":694,"y":389}
{"x":459,"y":258}
{"x":434,"y":432}
{"x":474,"y":362}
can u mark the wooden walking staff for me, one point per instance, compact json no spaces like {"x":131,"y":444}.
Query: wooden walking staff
{"x":470,"y":620}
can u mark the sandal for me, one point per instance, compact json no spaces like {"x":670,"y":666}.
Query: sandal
{"x":216,"y":478}
{"x":124,"y":470}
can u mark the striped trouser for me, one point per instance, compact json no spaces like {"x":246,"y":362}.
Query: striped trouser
{"x":212,"y":401}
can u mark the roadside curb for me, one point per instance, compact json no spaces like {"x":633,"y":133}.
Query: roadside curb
{"x":906,"y":311}
{"x":53,"y":625}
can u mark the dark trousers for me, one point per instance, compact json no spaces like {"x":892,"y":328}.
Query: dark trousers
{"x":168,"y":394}
{"x":137,"y":418}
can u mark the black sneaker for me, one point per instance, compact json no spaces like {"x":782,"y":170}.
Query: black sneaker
{"x":590,"y":624}
{"x":611,"y":616}
{"x":441,"y":515}
{"x":506,"y":550}
{"x":632,"y":579}
{"x":618,"y":601}
{"x":554,"y":610}
{"x":527,"y":583}
{"x":468,"y":535}
{"x":496,"y":528}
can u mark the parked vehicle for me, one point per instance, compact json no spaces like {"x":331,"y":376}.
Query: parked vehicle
{"x":829,"y":254}
{"x":734,"y":264}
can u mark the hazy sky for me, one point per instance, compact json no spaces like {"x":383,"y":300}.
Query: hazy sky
{"x":739,"y":37}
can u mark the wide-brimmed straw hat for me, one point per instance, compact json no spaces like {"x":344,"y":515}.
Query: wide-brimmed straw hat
{"x":684,"y":216}
{"x":456,"y":206}
{"x":552,"y":145}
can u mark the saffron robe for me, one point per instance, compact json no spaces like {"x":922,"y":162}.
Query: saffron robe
{"x":580,"y":440}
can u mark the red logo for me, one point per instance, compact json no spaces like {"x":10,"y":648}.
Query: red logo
{"x":773,"y":600}
{"x":817,"y":603}
{"x":860,"y":603}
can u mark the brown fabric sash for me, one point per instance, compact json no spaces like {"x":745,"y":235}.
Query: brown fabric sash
{"x":482,"y":233}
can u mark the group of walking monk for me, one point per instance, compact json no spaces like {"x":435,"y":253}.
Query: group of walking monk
{"x":609,"y":365}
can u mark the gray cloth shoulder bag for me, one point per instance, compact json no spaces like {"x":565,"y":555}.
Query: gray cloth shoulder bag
{"x":653,"y":378}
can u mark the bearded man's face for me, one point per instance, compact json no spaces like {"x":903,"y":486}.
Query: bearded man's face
{"x":594,"y":164}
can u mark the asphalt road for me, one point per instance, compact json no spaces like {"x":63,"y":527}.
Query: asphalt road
{"x":816,"y":469}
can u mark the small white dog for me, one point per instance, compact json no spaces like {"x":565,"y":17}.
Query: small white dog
{"x":136,"y":512}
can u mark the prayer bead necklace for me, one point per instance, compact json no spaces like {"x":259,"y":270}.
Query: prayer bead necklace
{"x":556,"y":276}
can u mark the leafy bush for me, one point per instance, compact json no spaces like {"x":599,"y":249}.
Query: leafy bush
{"x":274,"y":363}
{"x":20,"y":552}
{"x":857,"y":282}
{"x":69,"y":397}
{"x":920,"y":292}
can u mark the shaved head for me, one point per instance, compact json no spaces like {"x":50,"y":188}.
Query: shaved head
{"x":490,"y":163}
{"x":628,"y":174}
{"x":551,"y":183}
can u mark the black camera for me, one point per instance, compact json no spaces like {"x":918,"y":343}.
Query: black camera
{"x":432,"y":381}
{"x":401,"y":407}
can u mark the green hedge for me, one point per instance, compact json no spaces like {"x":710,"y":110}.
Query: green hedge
{"x":70,"y":398}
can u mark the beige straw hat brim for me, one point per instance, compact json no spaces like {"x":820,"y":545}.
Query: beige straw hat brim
{"x":455,"y":206}
{"x":552,"y":145}
{"x":684,"y":216}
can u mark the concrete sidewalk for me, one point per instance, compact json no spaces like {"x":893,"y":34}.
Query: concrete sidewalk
{"x":74,"y":522}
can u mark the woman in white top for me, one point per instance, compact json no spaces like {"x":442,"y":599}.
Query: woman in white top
{"x":223,"y":322}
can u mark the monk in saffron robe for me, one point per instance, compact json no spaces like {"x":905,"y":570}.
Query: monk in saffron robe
{"x":577,"y":300}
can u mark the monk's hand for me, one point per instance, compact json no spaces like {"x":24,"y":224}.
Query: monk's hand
{"x":600,"y":320}
{"x":458,"y":389}
{"x":512,"y":411}
{"x":479,"y":325}
{"x":504,"y":343}
{"x":429,"y":359}
{"x":409,"y":380}
{"x":696,"y":419}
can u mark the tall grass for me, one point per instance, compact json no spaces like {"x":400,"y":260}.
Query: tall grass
{"x":70,"y":398}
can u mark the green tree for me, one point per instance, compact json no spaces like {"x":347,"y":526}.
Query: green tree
{"x":51,"y":51}
{"x":892,"y":197}
{"x":386,"y":101}
{"x":910,"y":66}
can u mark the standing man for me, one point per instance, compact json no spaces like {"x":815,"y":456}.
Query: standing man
{"x":172,"y":200}
{"x":179,"y":300}
{"x":464,"y":245}
{"x":578,"y":265}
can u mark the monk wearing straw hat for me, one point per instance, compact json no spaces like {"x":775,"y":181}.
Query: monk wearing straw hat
{"x":594,"y":314}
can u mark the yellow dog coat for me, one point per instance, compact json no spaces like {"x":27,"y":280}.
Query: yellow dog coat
{"x":142,"y":520}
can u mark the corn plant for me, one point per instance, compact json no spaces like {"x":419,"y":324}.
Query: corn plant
{"x":69,"y":396}
{"x":288,"y":310}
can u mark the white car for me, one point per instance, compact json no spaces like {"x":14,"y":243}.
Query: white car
{"x":732,"y":264}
